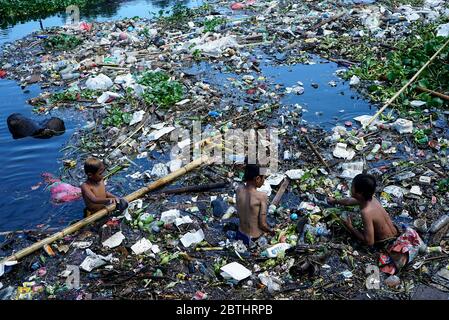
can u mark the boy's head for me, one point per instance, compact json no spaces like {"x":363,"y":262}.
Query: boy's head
{"x":255,"y":174}
{"x":363,"y":185}
{"x":94,"y":169}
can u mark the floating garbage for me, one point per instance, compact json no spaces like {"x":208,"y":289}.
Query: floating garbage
{"x":342,"y":151}
{"x":403,"y":126}
{"x":192,"y":238}
{"x":114,"y":241}
{"x":100,"y":82}
{"x":141,"y":246}
{"x":236,"y":271}
{"x":94,"y":261}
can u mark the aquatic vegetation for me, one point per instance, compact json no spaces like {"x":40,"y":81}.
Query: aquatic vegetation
{"x":68,"y":95}
{"x":401,"y":64}
{"x":62,"y":42}
{"x":117,"y":118}
{"x":396,"y":3}
{"x":210,"y":25}
{"x":160,"y":89}
{"x":196,"y":54}
{"x":180,"y":14}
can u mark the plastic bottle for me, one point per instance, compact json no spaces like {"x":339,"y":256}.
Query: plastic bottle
{"x":440,"y":223}
{"x":321,"y":232}
{"x":373,"y":152}
{"x":434,"y":249}
{"x":273,"y":251}
{"x":69,"y":76}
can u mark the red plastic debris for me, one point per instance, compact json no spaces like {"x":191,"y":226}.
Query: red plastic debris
{"x":237,"y":6}
{"x":251,"y":91}
{"x":2,"y":73}
{"x":85,"y":26}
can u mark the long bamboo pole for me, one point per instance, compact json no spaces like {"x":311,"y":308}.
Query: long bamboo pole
{"x":390,"y":101}
{"x":434,"y":93}
{"x":104,"y":212}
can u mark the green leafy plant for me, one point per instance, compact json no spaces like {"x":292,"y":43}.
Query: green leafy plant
{"x":71,"y":96}
{"x":210,"y":25}
{"x":401,"y":64}
{"x":443,"y":185}
{"x":62,"y":42}
{"x":196,"y":54}
{"x":117,"y":118}
{"x":179,"y":15}
{"x":160,"y":89}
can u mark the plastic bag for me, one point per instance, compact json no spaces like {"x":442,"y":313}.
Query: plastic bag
{"x":100,"y":82}
{"x":64,"y":192}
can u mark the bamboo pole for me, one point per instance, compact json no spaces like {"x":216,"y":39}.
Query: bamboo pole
{"x":433,"y":93}
{"x":390,"y":101}
{"x":104,"y":212}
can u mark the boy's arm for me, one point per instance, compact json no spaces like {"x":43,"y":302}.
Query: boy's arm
{"x":367,"y":236}
{"x":343,"y":202}
{"x":263,"y":215}
{"x":92,"y":197}
{"x":110,"y":195}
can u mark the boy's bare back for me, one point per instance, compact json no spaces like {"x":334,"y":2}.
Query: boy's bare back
{"x":251,"y":204}
{"x":376,"y":220}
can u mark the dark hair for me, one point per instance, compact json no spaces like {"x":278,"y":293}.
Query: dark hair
{"x":365,"y":184}
{"x":92,"y":165}
{"x":251,"y":172}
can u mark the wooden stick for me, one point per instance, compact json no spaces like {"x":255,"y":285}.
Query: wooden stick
{"x":311,"y":146}
{"x":104,"y":212}
{"x":245,"y":115}
{"x":326,"y":21}
{"x":390,"y":101}
{"x":434,"y":93}
{"x":281,"y":191}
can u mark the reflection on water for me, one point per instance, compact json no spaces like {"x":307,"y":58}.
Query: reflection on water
{"x":100,"y":12}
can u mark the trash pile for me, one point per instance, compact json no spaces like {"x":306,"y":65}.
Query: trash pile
{"x":135,"y":81}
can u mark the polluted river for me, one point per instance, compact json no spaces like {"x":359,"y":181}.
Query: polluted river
{"x":129,"y":76}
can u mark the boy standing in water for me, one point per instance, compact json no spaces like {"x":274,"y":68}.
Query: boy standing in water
{"x":93,"y":189}
{"x":252,"y":206}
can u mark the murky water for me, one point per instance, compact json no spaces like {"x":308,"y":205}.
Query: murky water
{"x":24,"y":205}
{"x":23,"y":161}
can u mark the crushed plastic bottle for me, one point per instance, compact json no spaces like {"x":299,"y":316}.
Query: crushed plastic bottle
{"x":273,"y":251}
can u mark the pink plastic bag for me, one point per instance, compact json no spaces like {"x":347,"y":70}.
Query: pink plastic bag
{"x":85,"y":26}
{"x":64,"y":192}
{"x":60,"y":191}
{"x":237,"y":6}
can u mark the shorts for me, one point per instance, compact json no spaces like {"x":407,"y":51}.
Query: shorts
{"x":244,"y":237}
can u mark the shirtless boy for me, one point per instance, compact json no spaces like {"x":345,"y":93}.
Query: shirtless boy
{"x":377,"y":225}
{"x":252,"y":206}
{"x":94,"y":192}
